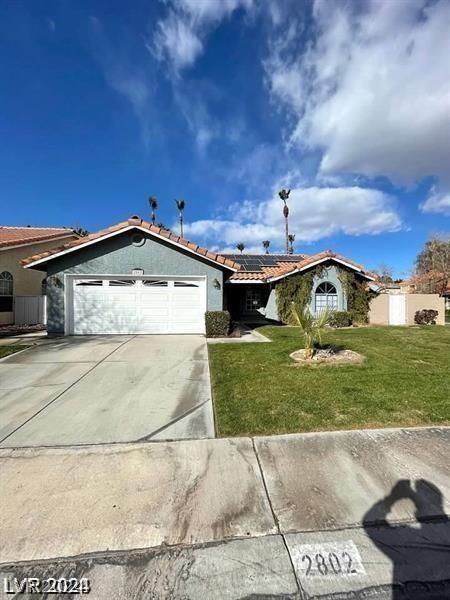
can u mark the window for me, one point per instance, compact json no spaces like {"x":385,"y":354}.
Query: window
{"x":253,"y":300}
{"x":326,"y":297}
{"x":89,"y":282}
{"x":6,"y":291}
{"x":122,"y":282}
{"x":44,"y":287}
{"x":184,"y":284}
{"x":154,"y":283}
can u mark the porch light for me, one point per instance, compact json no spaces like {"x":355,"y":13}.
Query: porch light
{"x":216,"y":284}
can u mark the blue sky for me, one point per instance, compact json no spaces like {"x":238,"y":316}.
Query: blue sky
{"x":222,"y":104}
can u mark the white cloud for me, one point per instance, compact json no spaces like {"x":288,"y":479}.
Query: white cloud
{"x":132,"y":82}
{"x":176,"y":39}
{"x":179,"y":35}
{"x":437,"y":202}
{"x":315,"y":213}
{"x":371,"y":90}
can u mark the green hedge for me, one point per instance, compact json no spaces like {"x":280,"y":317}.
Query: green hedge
{"x":217,"y":323}
{"x":340,"y":318}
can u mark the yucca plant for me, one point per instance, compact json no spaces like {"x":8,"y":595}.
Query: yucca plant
{"x":312,"y":327}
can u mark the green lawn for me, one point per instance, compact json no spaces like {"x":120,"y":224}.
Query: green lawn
{"x":7,"y":350}
{"x":405,"y":380}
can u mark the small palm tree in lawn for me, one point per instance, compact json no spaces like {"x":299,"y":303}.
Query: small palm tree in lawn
{"x":284,"y":195}
{"x":291,"y":238}
{"x":153,"y":206}
{"x":266,"y":244}
{"x":240,"y":247}
{"x":312,"y":327}
{"x":180,"y":206}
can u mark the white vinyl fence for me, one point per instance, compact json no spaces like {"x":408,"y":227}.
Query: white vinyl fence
{"x":30,"y":310}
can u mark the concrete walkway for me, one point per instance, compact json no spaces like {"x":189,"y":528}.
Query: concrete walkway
{"x":106,"y":389}
{"x":295,"y":516}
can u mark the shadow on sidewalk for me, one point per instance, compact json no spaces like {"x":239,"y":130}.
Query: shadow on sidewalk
{"x":420,"y":552}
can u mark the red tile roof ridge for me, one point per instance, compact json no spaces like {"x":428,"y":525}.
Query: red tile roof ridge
{"x":135,"y":221}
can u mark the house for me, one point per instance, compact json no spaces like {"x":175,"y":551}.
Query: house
{"x":446,"y":296}
{"x":17,"y":243}
{"x":135,"y":277}
{"x":252,"y":289}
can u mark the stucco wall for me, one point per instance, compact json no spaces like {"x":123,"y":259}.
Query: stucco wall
{"x":415,"y":302}
{"x":379,"y":308}
{"x":118,"y":256}
{"x":330,"y":274}
{"x":27,"y":282}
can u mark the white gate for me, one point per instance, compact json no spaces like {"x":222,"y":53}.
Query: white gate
{"x":30,"y":310}
{"x":397,"y":309}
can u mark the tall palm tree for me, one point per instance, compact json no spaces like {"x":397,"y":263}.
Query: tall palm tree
{"x":153,"y":206}
{"x":240,"y":246}
{"x":266,"y":244}
{"x":291,"y":238}
{"x":284,"y":195}
{"x":180,"y":206}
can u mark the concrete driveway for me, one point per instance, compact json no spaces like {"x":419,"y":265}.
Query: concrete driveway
{"x":104,"y":389}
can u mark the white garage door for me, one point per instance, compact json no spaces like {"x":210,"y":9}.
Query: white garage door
{"x":138,"y":305}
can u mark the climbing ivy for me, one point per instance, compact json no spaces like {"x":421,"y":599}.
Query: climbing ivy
{"x":358,"y":297}
{"x":298,"y":289}
{"x":295,"y":289}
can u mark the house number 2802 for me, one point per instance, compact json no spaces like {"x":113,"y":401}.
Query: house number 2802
{"x":328,"y":564}
{"x":328,"y":559}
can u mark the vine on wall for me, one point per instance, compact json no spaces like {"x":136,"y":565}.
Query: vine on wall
{"x":298,"y":289}
{"x":358,"y":297}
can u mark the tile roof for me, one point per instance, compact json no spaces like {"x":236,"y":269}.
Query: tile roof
{"x":136,"y":222}
{"x":285,"y":266}
{"x":16,"y":236}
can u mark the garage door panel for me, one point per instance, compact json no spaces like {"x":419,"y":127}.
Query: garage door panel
{"x":138,"y":305}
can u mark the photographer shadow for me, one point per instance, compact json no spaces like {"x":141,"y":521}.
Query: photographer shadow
{"x":420,"y":552}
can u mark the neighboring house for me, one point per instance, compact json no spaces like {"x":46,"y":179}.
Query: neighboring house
{"x":135,"y":277}
{"x":446,"y":295}
{"x":17,"y":243}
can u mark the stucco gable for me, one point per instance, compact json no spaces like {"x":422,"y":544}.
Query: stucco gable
{"x":137,"y":224}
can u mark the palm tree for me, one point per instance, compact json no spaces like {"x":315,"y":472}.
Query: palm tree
{"x":153,"y":206}
{"x":180,"y":206}
{"x":240,"y":246}
{"x":312,"y":327}
{"x":266,"y":244}
{"x":291,"y":238}
{"x":284,"y":195}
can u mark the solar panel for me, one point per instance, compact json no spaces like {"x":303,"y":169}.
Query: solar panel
{"x":255,"y":262}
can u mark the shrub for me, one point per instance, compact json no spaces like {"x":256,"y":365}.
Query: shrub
{"x":358,"y":317}
{"x":426,"y":316}
{"x":340,"y":318}
{"x":217,"y":323}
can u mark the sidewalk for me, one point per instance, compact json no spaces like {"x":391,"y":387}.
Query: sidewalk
{"x":288,"y":516}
